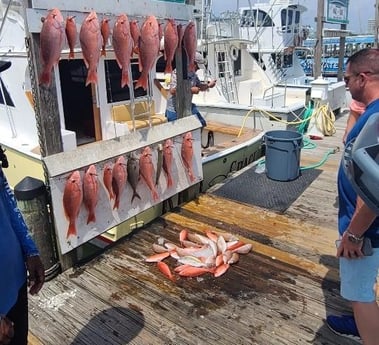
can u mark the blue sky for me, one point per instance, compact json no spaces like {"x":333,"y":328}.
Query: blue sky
{"x":359,"y":12}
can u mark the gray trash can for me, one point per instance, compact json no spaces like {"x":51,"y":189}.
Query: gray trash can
{"x":283,"y":154}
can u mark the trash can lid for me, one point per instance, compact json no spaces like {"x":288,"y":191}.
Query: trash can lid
{"x":29,"y":188}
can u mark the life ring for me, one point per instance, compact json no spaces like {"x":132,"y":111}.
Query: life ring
{"x":233,"y":52}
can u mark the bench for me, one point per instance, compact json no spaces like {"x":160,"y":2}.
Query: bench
{"x":123,"y":114}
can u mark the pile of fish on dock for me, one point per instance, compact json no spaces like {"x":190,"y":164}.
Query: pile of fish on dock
{"x":127,"y":38}
{"x":198,"y":254}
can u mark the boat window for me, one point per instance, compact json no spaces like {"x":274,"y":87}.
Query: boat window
{"x":115,"y":93}
{"x":287,"y":20}
{"x":257,"y":18}
{"x":4,"y":94}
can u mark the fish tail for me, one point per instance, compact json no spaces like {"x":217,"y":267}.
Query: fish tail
{"x":170,"y":182}
{"x":192,"y":67}
{"x":71,"y":230}
{"x":168,"y":68}
{"x":71,"y":55}
{"x":135,"y":195}
{"x":45,"y":78}
{"x":91,"y":217}
{"x":91,"y":77}
{"x":124,"y":77}
{"x":116,"y":203}
{"x":155,"y":195}
{"x":103,"y":52}
{"x":142,"y":81}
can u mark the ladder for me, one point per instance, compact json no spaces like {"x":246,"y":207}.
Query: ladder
{"x":226,"y":80}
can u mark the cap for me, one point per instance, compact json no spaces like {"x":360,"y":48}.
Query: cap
{"x":200,"y":61}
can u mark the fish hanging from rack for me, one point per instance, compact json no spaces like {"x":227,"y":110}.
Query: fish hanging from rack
{"x":167,"y":161}
{"x":119,"y":177}
{"x":190,"y":44}
{"x":71,"y":35}
{"x":72,"y":200}
{"x":107,"y":180}
{"x":171,"y":40}
{"x":90,"y":192}
{"x":52,"y":38}
{"x":91,"y":43}
{"x":187,"y":154}
{"x":146,"y":169}
{"x":133,"y":174}
{"x":136,"y":33}
{"x":122,"y":42}
{"x":148,"y":48}
{"x":105,"y":33}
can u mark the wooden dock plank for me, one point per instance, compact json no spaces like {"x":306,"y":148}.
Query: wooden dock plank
{"x":277,"y":294}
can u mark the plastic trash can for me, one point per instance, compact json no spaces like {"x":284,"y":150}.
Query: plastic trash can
{"x":283,"y":154}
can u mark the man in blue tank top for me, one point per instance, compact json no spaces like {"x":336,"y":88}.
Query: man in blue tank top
{"x":356,"y":220}
{"x":18,"y":255}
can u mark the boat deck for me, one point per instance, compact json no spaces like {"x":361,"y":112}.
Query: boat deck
{"x":279,"y":293}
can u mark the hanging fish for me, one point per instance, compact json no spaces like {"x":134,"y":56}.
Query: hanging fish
{"x":171,"y":40}
{"x":190,"y":44}
{"x":107,"y":179}
{"x":105,"y":33}
{"x":148,"y":50}
{"x":119,"y":177}
{"x":90,"y":192}
{"x":133,"y":174}
{"x":51,"y":44}
{"x":167,"y":161}
{"x":72,"y":200}
{"x":71,"y":34}
{"x":91,"y":43}
{"x":136,"y":33}
{"x":187,"y":154}
{"x":123,"y":46}
{"x":147,"y":171}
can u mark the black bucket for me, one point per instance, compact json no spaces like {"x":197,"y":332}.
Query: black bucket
{"x":283,"y":154}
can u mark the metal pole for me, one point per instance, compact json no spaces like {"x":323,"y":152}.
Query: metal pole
{"x":318,"y":47}
{"x":341,"y":54}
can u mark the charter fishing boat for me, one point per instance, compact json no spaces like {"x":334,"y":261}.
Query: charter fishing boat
{"x":59,"y":131}
{"x":251,"y":52}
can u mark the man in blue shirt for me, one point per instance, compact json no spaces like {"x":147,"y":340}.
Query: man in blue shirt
{"x":356,"y":220}
{"x":18,"y":256}
{"x":196,"y":87}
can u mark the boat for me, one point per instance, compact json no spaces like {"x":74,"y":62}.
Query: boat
{"x":51,"y":132}
{"x":330,"y":52}
{"x":251,"y":53}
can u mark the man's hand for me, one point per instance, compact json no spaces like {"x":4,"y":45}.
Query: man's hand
{"x":6,"y":330}
{"x":36,"y":274}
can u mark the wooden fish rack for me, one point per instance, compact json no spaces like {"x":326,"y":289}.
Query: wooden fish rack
{"x":58,"y":163}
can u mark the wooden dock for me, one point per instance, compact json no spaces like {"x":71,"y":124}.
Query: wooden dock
{"x":277,"y":294}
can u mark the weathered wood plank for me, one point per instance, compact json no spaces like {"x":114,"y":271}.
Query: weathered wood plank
{"x":277,"y":294}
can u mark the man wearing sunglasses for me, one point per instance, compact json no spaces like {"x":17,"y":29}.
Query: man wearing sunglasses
{"x":356,"y":220}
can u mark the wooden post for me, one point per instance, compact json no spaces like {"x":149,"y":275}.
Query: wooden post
{"x":46,"y":112}
{"x":318,"y":47}
{"x":31,"y":199}
{"x":183,"y":85}
{"x":341,"y":55}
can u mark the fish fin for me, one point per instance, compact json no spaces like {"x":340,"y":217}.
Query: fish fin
{"x":71,"y":230}
{"x":45,"y":78}
{"x":142,"y":82}
{"x":91,"y":77}
{"x":124,"y":77}
{"x":168,"y":68}
{"x":116,"y":203}
{"x":91,"y":218}
{"x":135,"y":195}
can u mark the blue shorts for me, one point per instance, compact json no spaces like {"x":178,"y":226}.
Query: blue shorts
{"x":358,"y":277}
{"x":171,"y":115}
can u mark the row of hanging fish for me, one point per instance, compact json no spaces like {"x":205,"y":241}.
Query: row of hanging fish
{"x":85,"y":190}
{"x":197,"y":254}
{"x":127,"y":38}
